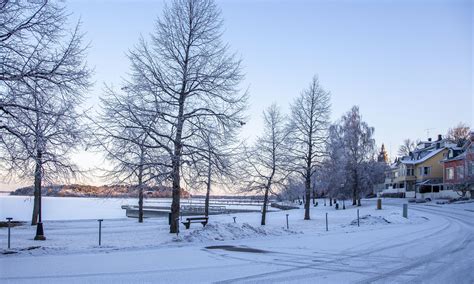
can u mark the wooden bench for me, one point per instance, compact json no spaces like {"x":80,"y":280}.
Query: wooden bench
{"x":202,"y":220}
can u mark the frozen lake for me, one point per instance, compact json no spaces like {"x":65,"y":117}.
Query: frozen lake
{"x":64,"y":208}
{"x":79,"y":208}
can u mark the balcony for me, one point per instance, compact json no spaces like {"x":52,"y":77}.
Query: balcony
{"x":405,"y":178}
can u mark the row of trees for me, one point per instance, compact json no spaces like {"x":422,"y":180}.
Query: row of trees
{"x":289,"y":147}
{"x":349,"y":169}
{"x":174,"y":121}
{"x":175,"y":118}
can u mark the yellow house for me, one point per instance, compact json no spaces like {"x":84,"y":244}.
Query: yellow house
{"x":422,"y":171}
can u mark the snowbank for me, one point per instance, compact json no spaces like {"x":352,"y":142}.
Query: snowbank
{"x":231,"y":231}
{"x":392,"y":218}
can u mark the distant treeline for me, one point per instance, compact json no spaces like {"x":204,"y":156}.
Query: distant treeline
{"x":77,"y":190}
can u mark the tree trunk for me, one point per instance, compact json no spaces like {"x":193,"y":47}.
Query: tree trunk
{"x":354,"y":200}
{"x":208,"y":185}
{"x":140,"y":194}
{"x":140,"y":204}
{"x":355,"y":189}
{"x":176,"y":164}
{"x":37,"y":191}
{"x":330,"y":201}
{"x":175,"y":204}
{"x":307,"y":193}
{"x":264,"y":209}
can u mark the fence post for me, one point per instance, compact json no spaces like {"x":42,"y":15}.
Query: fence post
{"x":100,"y":231}
{"x":9,"y":221}
{"x":358,"y":218}
{"x":405,"y":210}
{"x":326,"y":222}
{"x":287,"y":225}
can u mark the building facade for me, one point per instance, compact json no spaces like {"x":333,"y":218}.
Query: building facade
{"x":458,"y":167}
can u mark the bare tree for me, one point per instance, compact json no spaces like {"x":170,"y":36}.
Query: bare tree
{"x":215,"y":165}
{"x":268,"y":163}
{"x":309,"y":124}
{"x":33,"y":47}
{"x":47,"y":135}
{"x":121,"y":131}
{"x":189,"y":75}
{"x":459,"y":134}
{"x":407,"y":146}
{"x":42,"y":78}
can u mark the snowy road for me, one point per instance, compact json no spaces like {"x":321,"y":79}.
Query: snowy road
{"x":440,"y":250}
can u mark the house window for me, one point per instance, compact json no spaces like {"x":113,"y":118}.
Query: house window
{"x":470,"y":169}
{"x":449,"y":173}
{"x":460,"y":172}
{"x":424,"y":171}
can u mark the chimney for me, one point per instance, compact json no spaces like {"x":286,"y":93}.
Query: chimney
{"x":440,"y":137}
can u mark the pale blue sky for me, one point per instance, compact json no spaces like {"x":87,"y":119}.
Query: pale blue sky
{"x":407,"y":64}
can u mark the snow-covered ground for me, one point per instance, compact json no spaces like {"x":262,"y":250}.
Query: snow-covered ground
{"x":435,"y":244}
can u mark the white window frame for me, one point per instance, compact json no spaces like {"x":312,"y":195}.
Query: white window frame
{"x":450,"y":173}
{"x":460,"y":172}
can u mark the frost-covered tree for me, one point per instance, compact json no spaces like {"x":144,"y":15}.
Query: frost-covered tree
{"x":188,"y":73}
{"x":215,"y":166}
{"x":352,"y":151}
{"x":292,"y":190}
{"x":42,"y":80}
{"x":121,"y":131}
{"x":48,"y":133}
{"x":333,"y":169}
{"x":309,"y":124}
{"x":267,"y":164}
{"x":35,"y":45}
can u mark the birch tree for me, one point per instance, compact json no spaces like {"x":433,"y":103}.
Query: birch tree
{"x":359,"y":149}
{"x":309,"y":125}
{"x":267,"y":163}
{"x":334,"y":168}
{"x":189,"y":74}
